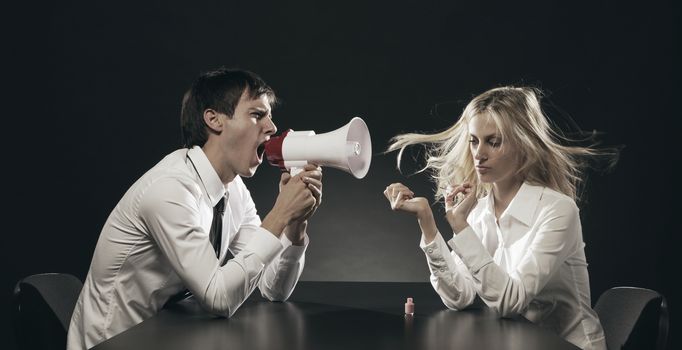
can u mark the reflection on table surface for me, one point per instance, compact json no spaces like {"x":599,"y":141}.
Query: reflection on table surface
{"x":337,"y":315}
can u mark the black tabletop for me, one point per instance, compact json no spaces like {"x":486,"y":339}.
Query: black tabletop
{"x":337,"y":315}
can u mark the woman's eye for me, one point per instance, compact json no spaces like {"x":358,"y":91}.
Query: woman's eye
{"x":494,"y":143}
{"x":473,"y":141}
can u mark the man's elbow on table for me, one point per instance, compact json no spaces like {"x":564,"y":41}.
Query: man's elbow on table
{"x":220,"y":302}
{"x":218,"y":309}
{"x":276,"y":297}
{"x":273,"y":295}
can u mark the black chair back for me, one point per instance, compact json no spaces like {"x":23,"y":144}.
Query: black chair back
{"x":633,"y":318}
{"x":42,"y":309}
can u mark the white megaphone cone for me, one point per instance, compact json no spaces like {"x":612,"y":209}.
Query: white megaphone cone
{"x":348,"y":148}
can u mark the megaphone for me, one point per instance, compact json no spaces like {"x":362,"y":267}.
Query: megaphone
{"x":348,"y":148}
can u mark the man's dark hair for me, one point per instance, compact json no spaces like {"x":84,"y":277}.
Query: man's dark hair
{"x":219,"y":90}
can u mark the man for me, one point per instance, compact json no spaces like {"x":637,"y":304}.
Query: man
{"x":166,"y":234}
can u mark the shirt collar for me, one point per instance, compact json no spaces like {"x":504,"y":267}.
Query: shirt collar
{"x":489,"y":208}
{"x":207,"y":174}
{"x":523,"y":205}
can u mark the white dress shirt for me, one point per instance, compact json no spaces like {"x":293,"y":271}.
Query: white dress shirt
{"x":531,"y":264}
{"x":155,"y":243}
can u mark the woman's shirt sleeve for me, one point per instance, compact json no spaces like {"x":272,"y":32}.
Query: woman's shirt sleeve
{"x":449,"y":276}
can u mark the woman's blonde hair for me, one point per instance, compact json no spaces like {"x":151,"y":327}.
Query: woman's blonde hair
{"x":521,"y":123}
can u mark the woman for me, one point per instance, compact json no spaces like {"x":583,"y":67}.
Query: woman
{"x":509,"y":188}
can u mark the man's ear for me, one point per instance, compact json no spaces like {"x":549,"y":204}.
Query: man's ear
{"x":213,"y":120}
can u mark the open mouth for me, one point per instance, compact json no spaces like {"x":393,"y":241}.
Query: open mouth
{"x":260,"y":150}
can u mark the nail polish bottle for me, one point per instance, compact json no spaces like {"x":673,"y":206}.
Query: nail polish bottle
{"x":409,"y":307}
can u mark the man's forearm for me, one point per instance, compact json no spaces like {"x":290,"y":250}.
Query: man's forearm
{"x":280,"y":277}
{"x":296,"y":232}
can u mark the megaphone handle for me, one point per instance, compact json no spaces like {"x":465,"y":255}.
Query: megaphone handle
{"x":295,"y":170}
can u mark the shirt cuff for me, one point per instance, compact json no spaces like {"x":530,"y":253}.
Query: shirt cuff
{"x":433,"y":249}
{"x":265,"y":245}
{"x":293,"y":252}
{"x":470,"y":249}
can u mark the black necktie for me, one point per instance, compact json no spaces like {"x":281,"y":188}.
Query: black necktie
{"x":216,"y":233}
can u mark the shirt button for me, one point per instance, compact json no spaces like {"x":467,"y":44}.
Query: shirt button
{"x":442,"y":270}
{"x":430,"y":250}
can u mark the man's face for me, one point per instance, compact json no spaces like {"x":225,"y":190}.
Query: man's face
{"x":244,"y":134}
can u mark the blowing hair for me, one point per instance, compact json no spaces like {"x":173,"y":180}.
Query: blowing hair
{"x":547,"y":158}
{"x":219,"y":90}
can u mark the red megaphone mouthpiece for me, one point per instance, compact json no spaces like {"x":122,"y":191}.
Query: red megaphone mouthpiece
{"x":273,"y":150}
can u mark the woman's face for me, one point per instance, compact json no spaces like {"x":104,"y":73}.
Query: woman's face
{"x":495,"y":160}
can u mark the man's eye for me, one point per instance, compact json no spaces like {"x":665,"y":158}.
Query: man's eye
{"x":257,"y":115}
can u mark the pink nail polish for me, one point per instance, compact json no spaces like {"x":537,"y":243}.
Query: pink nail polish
{"x":409,"y":307}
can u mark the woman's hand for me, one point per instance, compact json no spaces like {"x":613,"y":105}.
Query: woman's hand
{"x":459,"y":201}
{"x":402,"y":199}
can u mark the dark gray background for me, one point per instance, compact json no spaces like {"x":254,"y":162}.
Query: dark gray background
{"x":92,"y":96}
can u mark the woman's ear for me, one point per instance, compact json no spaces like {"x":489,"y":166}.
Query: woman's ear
{"x":213,"y":120}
